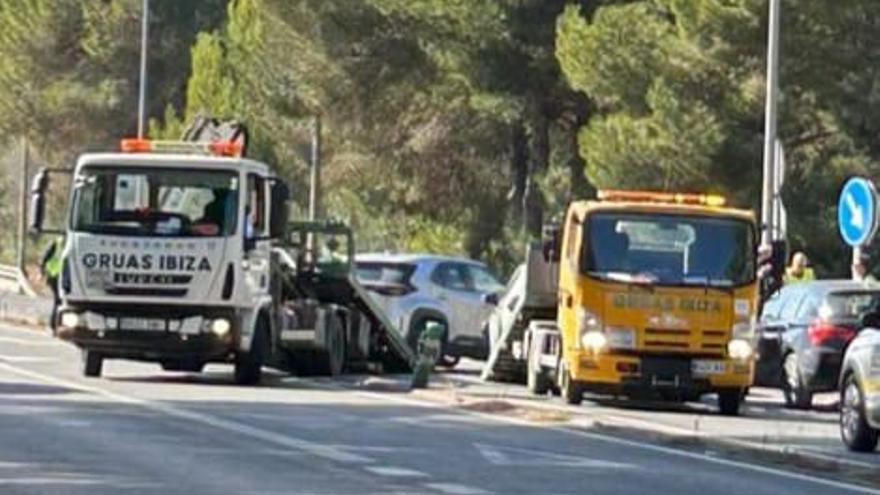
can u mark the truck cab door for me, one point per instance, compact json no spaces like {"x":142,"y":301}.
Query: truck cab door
{"x":256,"y":240}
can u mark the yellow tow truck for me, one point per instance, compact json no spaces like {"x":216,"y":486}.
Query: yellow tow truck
{"x":636,"y":293}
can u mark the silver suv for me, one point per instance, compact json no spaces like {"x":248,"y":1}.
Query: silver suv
{"x":860,"y":388}
{"x":415,"y":289}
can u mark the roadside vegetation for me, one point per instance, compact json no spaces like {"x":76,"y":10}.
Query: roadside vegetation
{"x":458,"y":126}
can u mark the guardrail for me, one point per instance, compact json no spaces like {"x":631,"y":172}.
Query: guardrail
{"x":13,"y":274}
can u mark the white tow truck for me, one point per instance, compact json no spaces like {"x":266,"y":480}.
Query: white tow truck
{"x":181,"y":253}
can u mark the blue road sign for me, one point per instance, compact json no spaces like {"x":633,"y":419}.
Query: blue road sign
{"x":857,"y":211}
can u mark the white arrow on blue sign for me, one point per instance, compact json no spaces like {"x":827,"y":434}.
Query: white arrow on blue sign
{"x":857,"y":211}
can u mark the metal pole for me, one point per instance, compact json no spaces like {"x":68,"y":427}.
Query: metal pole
{"x":856,"y":259}
{"x":22,"y":207}
{"x":142,"y":93}
{"x":778,"y":217}
{"x":770,"y":121}
{"x":315,"y":179}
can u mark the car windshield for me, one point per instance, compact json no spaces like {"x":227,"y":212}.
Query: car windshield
{"x":155,"y":202}
{"x":669,"y":249}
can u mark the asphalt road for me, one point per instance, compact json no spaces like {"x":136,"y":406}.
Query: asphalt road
{"x":764,"y":420}
{"x":140,"y":430}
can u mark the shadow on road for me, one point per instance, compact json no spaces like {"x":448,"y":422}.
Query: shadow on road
{"x":13,"y":388}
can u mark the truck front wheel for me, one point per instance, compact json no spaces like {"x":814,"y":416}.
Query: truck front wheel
{"x":729,"y":401}
{"x":571,"y":390}
{"x":249,"y":364}
{"x":92,"y":363}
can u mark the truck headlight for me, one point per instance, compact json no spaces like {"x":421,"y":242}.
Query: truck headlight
{"x":739,"y":349}
{"x":743,"y":330}
{"x":71,"y":320}
{"x":590,"y":330}
{"x":587,"y":321}
{"x":220,"y":327}
{"x":594,"y":341}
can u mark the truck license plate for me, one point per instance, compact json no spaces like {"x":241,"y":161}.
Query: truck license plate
{"x":705,"y":367}
{"x":142,"y":324}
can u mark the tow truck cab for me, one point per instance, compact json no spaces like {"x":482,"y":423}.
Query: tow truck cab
{"x":167,"y":257}
{"x":657,"y":292}
{"x":636,"y":293}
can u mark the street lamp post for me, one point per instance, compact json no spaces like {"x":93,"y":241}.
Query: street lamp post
{"x":767,"y":199}
{"x":142,"y":92}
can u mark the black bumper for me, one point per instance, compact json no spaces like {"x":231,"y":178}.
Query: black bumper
{"x":820,"y":368}
{"x":154,"y":345}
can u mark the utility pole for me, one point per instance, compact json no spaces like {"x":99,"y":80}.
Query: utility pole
{"x":142,"y":92}
{"x":770,"y":123}
{"x":315,"y":176}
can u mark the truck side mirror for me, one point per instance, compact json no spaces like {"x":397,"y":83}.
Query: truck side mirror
{"x":280,"y":212}
{"x":490,"y":299}
{"x":38,"y":201}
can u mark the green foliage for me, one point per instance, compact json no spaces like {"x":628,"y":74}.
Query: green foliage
{"x":678,"y":85}
{"x":457,"y":126}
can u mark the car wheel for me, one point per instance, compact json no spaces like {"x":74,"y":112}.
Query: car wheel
{"x":855,"y":431}
{"x":729,"y":401}
{"x":92,"y":363}
{"x":796,"y":394}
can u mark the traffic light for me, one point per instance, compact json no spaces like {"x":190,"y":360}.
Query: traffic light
{"x":771,"y":267}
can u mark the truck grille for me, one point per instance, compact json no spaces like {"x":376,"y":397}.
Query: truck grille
{"x":678,"y":340}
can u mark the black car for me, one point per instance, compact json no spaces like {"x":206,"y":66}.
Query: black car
{"x":803,"y":333}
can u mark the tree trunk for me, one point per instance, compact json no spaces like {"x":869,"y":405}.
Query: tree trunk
{"x":538,"y":161}
{"x":579,"y":187}
{"x":519,"y":169}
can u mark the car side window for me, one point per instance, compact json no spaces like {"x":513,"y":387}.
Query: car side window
{"x":452,"y":276}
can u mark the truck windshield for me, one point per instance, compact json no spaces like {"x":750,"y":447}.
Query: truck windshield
{"x":669,"y":249}
{"x":155,"y":202}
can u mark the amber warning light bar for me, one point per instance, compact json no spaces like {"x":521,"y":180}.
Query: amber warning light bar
{"x":661,"y":197}
{"x":218,"y":148}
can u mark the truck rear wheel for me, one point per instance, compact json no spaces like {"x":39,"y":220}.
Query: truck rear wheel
{"x":249,"y":364}
{"x":536,"y":380}
{"x":324,"y":362}
{"x":729,"y":401}
{"x":335,"y":347}
{"x":92,"y":363}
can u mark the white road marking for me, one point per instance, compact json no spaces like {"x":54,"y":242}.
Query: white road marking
{"x":510,"y":456}
{"x":27,"y":359}
{"x":271,"y":437}
{"x":456,"y":489}
{"x":852,"y":488}
{"x":395,"y":472}
{"x":30,"y":342}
